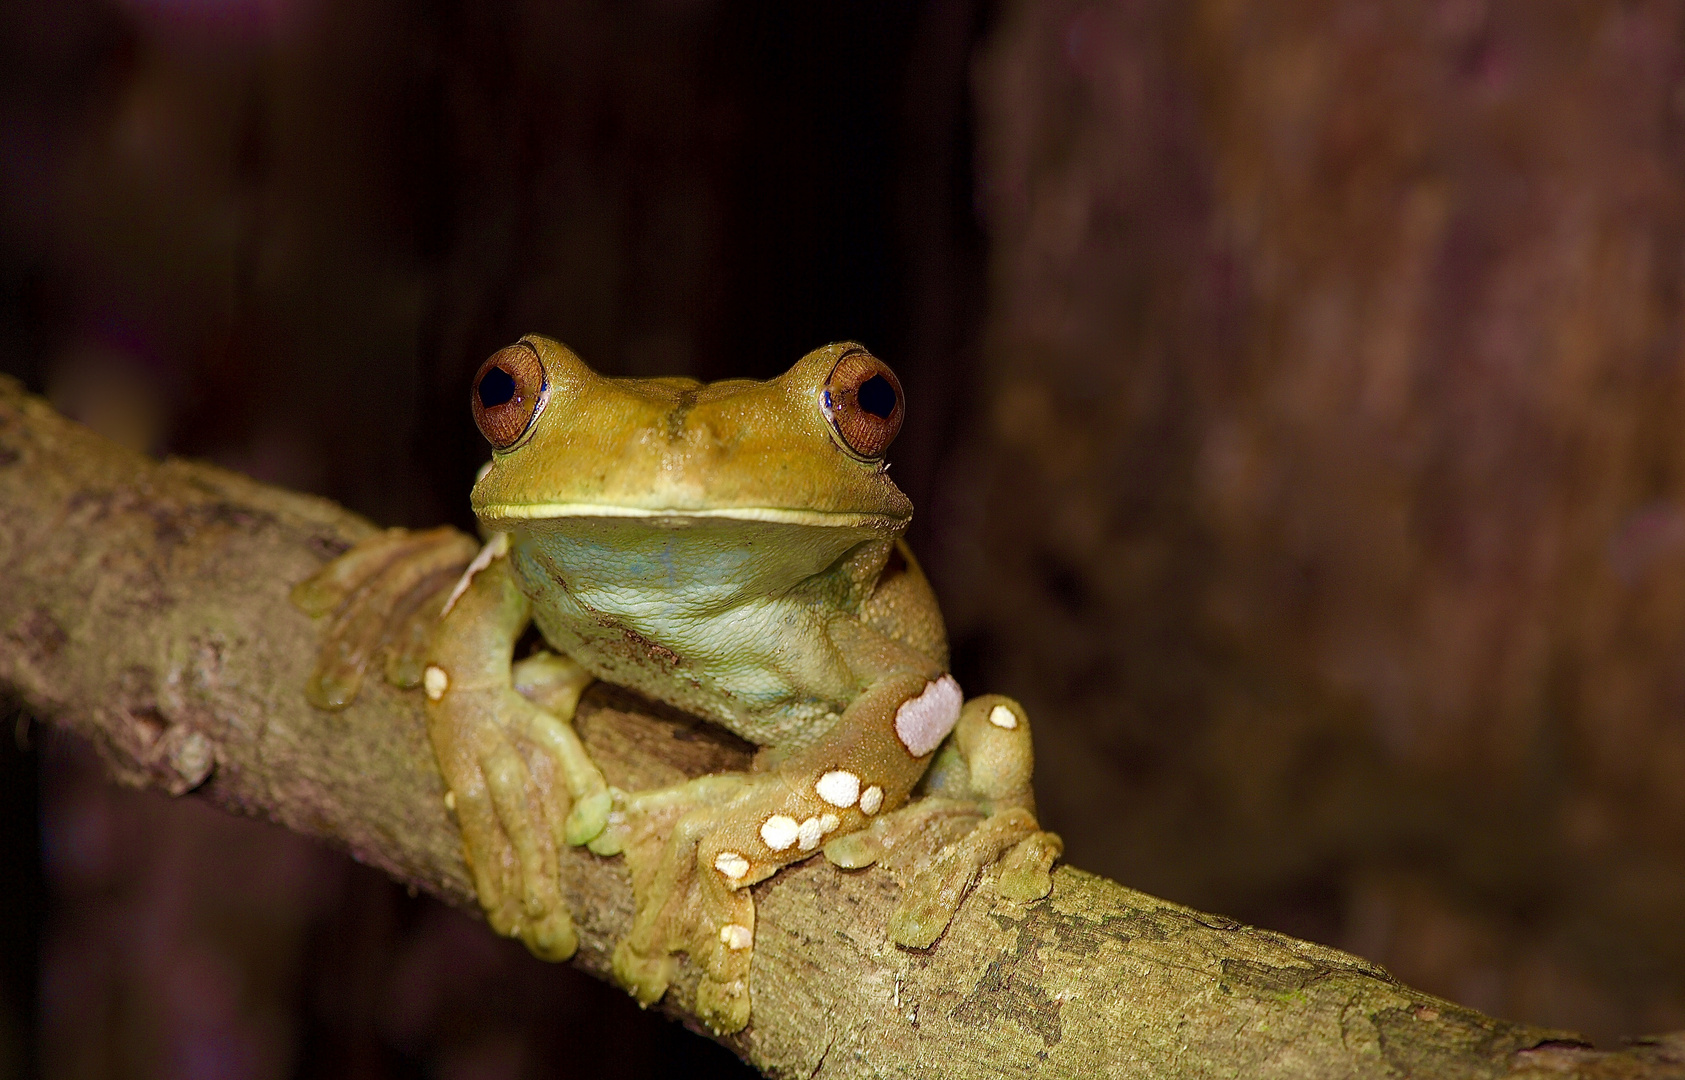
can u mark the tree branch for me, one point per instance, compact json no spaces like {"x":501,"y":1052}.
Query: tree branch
{"x":144,"y":605}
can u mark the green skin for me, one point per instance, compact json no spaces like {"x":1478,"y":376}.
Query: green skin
{"x":716,"y":547}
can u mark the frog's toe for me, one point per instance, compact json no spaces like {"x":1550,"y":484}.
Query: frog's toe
{"x":919,"y":921}
{"x":936,"y":888}
{"x":507,"y":779}
{"x":615,"y":835}
{"x":581,"y":801}
{"x":334,"y":687}
{"x":645,"y":977}
{"x":723,"y":1006}
{"x":714,"y":923}
{"x":551,"y":936}
{"x":381,"y":594}
{"x":589,"y":817}
{"x":1026,"y":872}
{"x":511,"y":856}
{"x":503,"y":915}
{"x":330,"y":586}
{"x":347,"y":647}
{"x":854,"y":850}
{"x":689,"y":878}
{"x":486,"y":851}
{"x":929,"y":901}
{"x":410,"y":631}
{"x":543,"y":922}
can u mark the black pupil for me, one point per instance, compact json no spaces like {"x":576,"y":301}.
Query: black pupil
{"x":877,"y":397}
{"x":496,"y":387}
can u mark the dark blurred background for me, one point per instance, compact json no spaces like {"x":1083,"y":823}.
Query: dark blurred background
{"x":1297,"y":426}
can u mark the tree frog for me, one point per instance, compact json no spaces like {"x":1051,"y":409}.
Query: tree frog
{"x":733,"y":549}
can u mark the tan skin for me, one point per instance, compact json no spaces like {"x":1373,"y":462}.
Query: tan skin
{"x":732,"y":549}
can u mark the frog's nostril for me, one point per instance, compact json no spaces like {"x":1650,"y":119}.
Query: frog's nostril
{"x":496,"y":387}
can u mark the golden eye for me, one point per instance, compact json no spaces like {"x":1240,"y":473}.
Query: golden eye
{"x":862,"y":400}
{"x":509,"y":393}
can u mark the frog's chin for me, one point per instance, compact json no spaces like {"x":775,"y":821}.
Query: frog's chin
{"x":661,"y":578}
{"x":680,"y":518}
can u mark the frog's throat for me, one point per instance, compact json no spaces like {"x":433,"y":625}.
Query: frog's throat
{"x":846,"y":519}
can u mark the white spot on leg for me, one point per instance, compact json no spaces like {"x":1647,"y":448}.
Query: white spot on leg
{"x":736,"y":936}
{"x":921,"y":723}
{"x":828,"y":823}
{"x":435,"y":682}
{"x":871,"y":799}
{"x":839,"y":788}
{"x":779,"y":832}
{"x":450,"y":801}
{"x":809,"y":833}
{"x":1003,"y":717}
{"x":731,"y":864}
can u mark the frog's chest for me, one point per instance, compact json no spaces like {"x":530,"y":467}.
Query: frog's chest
{"x":708,"y":627}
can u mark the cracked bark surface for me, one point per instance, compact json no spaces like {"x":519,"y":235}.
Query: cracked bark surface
{"x":144,"y":606}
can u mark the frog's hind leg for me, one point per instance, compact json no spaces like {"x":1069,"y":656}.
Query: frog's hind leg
{"x":695,"y":849}
{"x":978,"y":811}
{"x":993,"y":739}
{"x":691,"y":897}
{"x":384,"y":596}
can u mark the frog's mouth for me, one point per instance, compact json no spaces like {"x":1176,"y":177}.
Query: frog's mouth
{"x":676,"y":517}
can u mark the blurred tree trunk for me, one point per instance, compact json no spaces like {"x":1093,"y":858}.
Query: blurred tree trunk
{"x":1335,"y":502}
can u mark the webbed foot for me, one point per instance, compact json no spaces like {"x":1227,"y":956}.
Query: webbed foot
{"x":978,"y":812}
{"x":385,"y":595}
{"x":690,"y":872}
{"x":512,"y":806}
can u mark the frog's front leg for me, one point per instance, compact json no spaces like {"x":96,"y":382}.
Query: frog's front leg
{"x":516,"y":775}
{"x":977,"y":809}
{"x":695,"y":849}
{"x":519,"y":779}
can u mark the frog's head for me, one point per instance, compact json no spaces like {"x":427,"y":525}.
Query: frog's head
{"x":804,"y":449}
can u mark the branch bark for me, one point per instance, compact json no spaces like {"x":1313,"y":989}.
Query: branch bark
{"x":144,"y":605}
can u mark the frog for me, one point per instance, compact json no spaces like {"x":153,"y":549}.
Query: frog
{"x":736,"y":550}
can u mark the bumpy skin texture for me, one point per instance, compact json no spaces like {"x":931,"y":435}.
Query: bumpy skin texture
{"x":726,"y":549}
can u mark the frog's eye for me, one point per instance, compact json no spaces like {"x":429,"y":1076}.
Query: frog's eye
{"x":862,"y":400}
{"x":509,"y":393}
